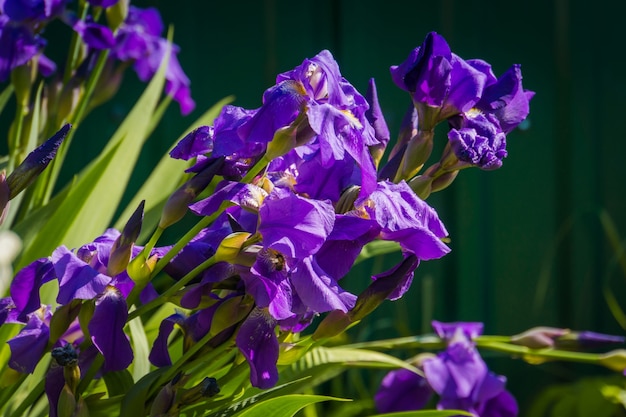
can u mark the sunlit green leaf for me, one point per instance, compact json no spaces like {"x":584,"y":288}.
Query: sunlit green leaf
{"x":141,"y":349}
{"x":285,"y":406}
{"x":89,"y":206}
{"x":164,"y":179}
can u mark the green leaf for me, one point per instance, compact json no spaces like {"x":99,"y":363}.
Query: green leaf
{"x":141,"y":349}
{"x":285,"y":406}
{"x":103,"y":407}
{"x":377,"y":248}
{"x":164,"y":179}
{"x":136,"y":399}
{"x":5,"y":96}
{"x":118,"y":382}
{"x":426,"y":413}
{"x":321,"y":364}
{"x":91,"y":203}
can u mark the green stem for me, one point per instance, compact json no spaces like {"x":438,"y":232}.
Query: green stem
{"x":172,"y":290}
{"x":7,"y":393}
{"x":15,"y":139}
{"x":74,"y":51}
{"x":208,"y":358}
{"x":549,"y":354}
{"x":254,"y":171}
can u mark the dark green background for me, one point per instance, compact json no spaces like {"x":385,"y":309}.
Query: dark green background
{"x":528,"y":248}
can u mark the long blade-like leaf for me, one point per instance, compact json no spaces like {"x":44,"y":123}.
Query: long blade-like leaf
{"x":90,"y":205}
{"x":285,"y":406}
{"x":164,"y":179}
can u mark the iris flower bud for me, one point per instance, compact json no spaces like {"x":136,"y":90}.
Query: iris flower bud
{"x":35,"y":163}
{"x":176,"y":206}
{"x":123,"y":245}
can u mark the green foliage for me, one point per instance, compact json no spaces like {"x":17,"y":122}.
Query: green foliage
{"x":588,"y":397}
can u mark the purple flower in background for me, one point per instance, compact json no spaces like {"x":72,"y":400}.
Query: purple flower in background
{"x":32,"y":12}
{"x":139,"y":40}
{"x":402,"y":390}
{"x":458,"y":375}
{"x":18,"y":45}
{"x":103,"y":3}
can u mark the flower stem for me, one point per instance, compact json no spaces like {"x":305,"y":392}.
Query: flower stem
{"x":172,"y":290}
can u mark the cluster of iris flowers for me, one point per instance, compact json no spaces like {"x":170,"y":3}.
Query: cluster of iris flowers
{"x":298,"y":187}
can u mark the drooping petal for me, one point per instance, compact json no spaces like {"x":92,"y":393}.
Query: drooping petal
{"x":107,"y":330}
{"x":295,"y":226}
{"x":258,"y":343}
{"x":159,"y":354}
{"x":29,"y":345}
{"x":77,"y":279}
{"x":402,"y":390}
{"x":27,"y":283}
{"x":319,"y":291}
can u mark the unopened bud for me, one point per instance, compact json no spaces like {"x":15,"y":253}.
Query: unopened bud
{"x":116,"y":14}
{"x":376,"y":118}
{"x":384,"y":287}
{"x":22,"y":80}
{"x":444,"y":180}
{"x":408,"y":129}
{"x":538,"y":337}
{"x":35,"y":163}
{"x":287,"y":138}
{"x":67,"y":403}
{"x":123,"y":245}
{"x":176,"y":206}
{"x":417,"y":153}
{"x":205,"y":389}
{"x":140,"y":269}
{"x":347,"y":199}
{"x":333,"y":324}
{"x":422,"y":186}
{"x":587,"y":339}
{"x":230,"y":247}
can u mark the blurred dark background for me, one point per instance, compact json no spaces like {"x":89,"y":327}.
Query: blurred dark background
{"x":529,"y":247}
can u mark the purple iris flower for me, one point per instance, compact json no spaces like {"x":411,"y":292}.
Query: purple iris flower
{"x":458,"y":375}
{"x":477,"y":139}
{"x":441,"y":83}
{"x":139,"y":40}
{"x":335,"y":111}
{"x":18,"y":45}
{"x":32,"y":12}
{"x":403,"y":217}
{"x":82,"y":275}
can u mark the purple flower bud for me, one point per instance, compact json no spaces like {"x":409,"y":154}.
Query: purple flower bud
{"x":123,"y":245}
{"x":538,"y":337}
{"x":35,"y":163}
{"x":176,"y":206}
